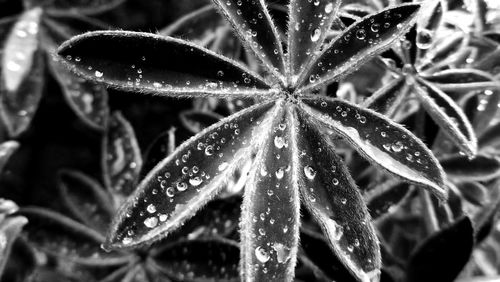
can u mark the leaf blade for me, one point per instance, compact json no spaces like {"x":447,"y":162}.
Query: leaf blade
{"x":379,"y":140}
{"x":135,"y":61}
{"x":183,"y":182}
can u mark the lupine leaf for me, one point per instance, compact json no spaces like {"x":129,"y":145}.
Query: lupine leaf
{"x":254,"y":26}
{"x":183,"y":182}
{"x":86,"y":199}
{"x":360,"y":42}
{"x":160,"y":65}
{"x":196,"y":121}
{"x":381,"y":141}
{"x":490,"y":137}
{"x":388,"y":98}
{"x":9,"y":231}
{"x":461,"y":79}
{"x":184,"y":261}
{"x":63,"y":237}
{"x":21,"y":80}
{"x":483,"y":119}
{"x":442,"y":49}
{"x":479,"y":168}
{"x":196,"y":26}
{"x":88,"y":100}
{"x":473,"y":192}
{"x":332,"y":197}
{"x":122,"y":159}
{"x":448,"y":115}
{"x":452,"y":245}
{"x":308,"y":26}
{"x":427,"y":24}
{"x":385,"y":196}
{"x":270,"y":212}
{"x":7,"y":148}
{"x":88,"y":7}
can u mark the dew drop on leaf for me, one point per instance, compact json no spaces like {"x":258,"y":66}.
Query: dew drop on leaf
{"x":315,"y":35}
{"x":424,"y":39}
{"x":309,"y":172}
{"x":261,"y":255}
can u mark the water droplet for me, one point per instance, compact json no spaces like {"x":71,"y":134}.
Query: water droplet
{"x":375,"y":27}
{"x":209,"y":150}
{"x":261,"y":255}
{"x":335,"y":181}
{"x":424,"y":39}
{"x":279,"y":142}
{"x":329,"y":8}
{"x":315,"y":35}
{"x":397,"y":147}
{"x":98,"y":74}
{"x":151,"y":208}
{"x":282,"y":252}
{"x":195,"y":181}
{"x":309,"y":172}
{"x":361,"y":34}
{"x":151,"y":222}
{"x":280,"y":173}
{"x":181,"y":186}
{"x":170,"y":192}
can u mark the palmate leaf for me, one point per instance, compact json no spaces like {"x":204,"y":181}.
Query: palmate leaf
{"x":182,"y":183}
{"x":270,"y":212}
{"x":183,"y":260}
{"x":448,"y":115}
{"x":308,"y":27}
{"x":21,"y":79}
{"x":253,"y":24}
{"x":330,"y":194}
{"x":63,"y":237}
{"x":148,"y":63}
{"x":381,"y":141}
{"x":121,"y":160}
{"x":357,"y":44}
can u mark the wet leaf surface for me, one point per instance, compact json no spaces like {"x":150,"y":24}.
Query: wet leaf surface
{"x":360,"y":42}
{"x":105,"y":56}
{"x":480,"y":168}
{"x":330,"y":194}
{"x":182,"y":183}
{"x":381,"y":141}
{"x":270,"y":212}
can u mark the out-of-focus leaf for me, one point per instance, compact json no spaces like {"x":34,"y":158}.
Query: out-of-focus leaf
{"x":218,"y":218}
{"x":381,"y":141}
{"x":388,"y":98}
{"x":9,"y":230}
{"x":448,"y":115}
{"x":332,"y":197}
{"x":490,"y":137}
{"x":385,"y":196}
{"x":21,"y":262}
{"x":483,"y":119}
{"x":200,"y":260}
{"x":462,"y":80}
{"x":196,"y":26}
{"x":88,"y":7}
{"x":270,"y":213}
{"x":360,"y":42}
{"x":60,"y":236}
{"x":316,"y":254}
{"x":183,"y":182}
{"x":21,"y":80}
{"x":452,"y":245}
{"x":196,"y":121}
{"x":479,"y":168}
{"x":122,"y":159}
{"x":86,"y":199}
{"x":473,"y":192}
{"x":253,"y":24}
{"x":7,"y":148}
{"x":88,"y":100}
{"x":307,"y":29}
{"x":160,"y":65}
